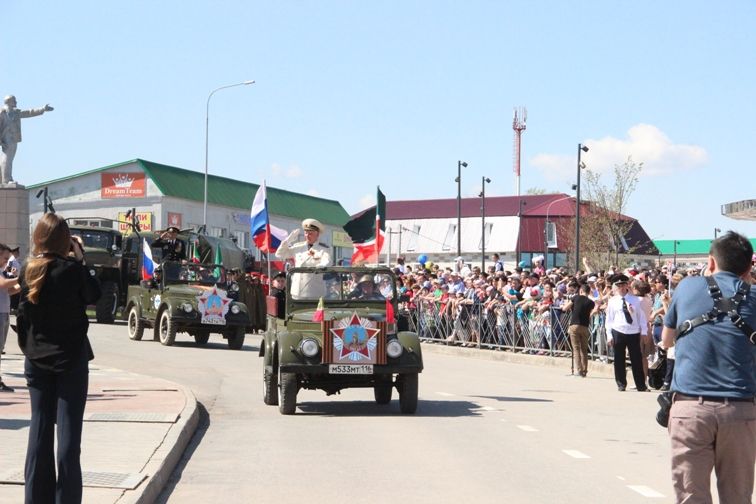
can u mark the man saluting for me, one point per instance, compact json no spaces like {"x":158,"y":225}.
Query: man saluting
{"x":173,"y":248}
{"x":309,"y":253}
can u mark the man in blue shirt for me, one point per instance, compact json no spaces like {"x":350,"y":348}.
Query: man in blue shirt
{"x":713,"y":416}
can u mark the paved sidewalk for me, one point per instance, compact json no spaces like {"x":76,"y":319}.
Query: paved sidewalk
{"x":135,"y":429}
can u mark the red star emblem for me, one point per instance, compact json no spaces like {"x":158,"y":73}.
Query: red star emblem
{"x":355,"y":339}
{"x":213,"y":302}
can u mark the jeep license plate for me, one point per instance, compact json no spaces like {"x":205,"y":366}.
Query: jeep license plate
{"x":350,"y":369}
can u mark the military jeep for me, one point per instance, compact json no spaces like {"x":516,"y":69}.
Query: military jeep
{"x":186,"y":297}
{"x":339,"y":332}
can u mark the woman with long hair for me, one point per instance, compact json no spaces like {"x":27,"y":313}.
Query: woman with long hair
{"x":56,"y":288}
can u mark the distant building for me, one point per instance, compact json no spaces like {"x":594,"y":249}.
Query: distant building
{"x":165,"y":195}
{"x":514,"y":228}
{"x":742,"y":210}
{"x":684,"y":253}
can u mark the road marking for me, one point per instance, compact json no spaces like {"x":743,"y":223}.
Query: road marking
{"x":527,"y":428}
{"x":576,"y":454}
{"x":645,"y":491}
{"x":445,"y":394}
{"x":488,"y":408}
{"x":620,"y":478}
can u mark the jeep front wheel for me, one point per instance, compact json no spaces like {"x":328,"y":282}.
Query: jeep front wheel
{"x":201,"y":337}
{"x":270,"y":387}
{"x":287,"y":393}
{"x":408,"y":393}
{"x":166,"y":329}
{"x":382,"y":389}
{"x":235,"y":337}
{"x":135,"y":324}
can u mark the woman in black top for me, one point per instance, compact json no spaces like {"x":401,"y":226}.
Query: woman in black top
{"x":56,"y":288}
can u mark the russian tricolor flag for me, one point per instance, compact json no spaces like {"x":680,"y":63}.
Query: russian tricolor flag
{"x":267,"y":237}
{"x":148,"y":265}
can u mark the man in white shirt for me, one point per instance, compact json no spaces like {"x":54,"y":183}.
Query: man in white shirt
{"x":309,"y":253}
{"x":625,"y":324}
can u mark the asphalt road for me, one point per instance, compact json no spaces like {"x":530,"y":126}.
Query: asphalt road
{"x":485,"y":431}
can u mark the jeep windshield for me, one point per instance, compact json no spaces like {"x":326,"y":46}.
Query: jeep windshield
{"x":191,"y":273}
{"x":364,"y":285}
{"x":94,"y":239}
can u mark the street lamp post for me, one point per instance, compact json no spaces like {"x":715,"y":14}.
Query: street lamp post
{"x":546,"y":232}
{"x":484,"y":181}
{"x":458,"y":180}
{"x":716,"y":230}
{"x":581,"y":148}
{"x":207,"y":138}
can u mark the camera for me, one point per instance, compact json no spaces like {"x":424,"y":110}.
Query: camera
{"x":665,"y":404}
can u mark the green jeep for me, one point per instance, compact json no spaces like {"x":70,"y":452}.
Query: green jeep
{"x":186,"y":297}
{"x":337,"y":334}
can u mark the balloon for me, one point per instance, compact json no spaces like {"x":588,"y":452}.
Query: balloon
{"x":422,"y":259}
{"x":522,"y":264}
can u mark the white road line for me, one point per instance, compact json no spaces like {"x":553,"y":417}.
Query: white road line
{"x":527,"y":428}
{"x":645,"y":491}
{"x":445,"y":394}
{"x":576,"y":454}
{"x":488,"y":408}
{"x":620,"y":478}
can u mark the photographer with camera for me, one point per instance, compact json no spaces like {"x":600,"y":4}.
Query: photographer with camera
{"x":712,"y":420}
{"x":52,"y":322}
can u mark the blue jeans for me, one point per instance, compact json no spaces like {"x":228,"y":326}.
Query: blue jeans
{"x":55,"y":398}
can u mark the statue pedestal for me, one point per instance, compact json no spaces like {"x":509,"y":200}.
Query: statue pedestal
{"x":14,"y":217}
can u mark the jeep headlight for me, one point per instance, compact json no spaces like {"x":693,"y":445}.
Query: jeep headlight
{"x":394,"y":349}
{"x":309,"y":347}
{"x":235,"y":287}
{"x":187,"y":307}
{"x":235,"y":309}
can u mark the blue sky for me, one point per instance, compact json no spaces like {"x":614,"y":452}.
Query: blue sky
{"x":350,"y":95}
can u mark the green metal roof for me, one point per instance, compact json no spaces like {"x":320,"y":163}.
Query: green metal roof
{"x":187,"y":184}
{"x":687,"y":247}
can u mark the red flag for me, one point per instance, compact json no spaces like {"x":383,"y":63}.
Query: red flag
{"x":319,"y":314}
{"x":390,"y":317}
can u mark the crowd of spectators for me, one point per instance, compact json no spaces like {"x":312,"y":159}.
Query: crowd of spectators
{"x":523,"y":308}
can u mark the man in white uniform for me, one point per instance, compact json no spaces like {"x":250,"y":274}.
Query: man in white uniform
{"x":308,"y":254}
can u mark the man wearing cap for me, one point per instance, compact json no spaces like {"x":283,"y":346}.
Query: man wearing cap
{"x":278,"y":291}
{"x":366,"y":290}
{"x":173,"y":248}
{"x":308,"y":253}
{"x":712,"y":422}
{"x":625,"y":324}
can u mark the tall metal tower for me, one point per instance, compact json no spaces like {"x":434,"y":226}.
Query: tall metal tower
{"x":518,"y":125}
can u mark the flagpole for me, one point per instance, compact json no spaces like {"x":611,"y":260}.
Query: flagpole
{"x":270,"y":282}
{"x":377,"y":229}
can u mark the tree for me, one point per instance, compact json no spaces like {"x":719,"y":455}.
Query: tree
{"x":535,"y":190}
{"x":603,"y":225}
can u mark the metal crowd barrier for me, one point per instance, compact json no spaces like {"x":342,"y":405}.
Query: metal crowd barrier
{"x":503,"y":327}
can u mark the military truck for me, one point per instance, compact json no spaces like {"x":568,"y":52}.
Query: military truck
{"x":339,"y":332}
{"x":113,"y":262}
{"x":186,"y":297}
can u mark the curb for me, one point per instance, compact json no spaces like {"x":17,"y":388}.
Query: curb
{"x":594,"y":367}
{"x":166,"y":456}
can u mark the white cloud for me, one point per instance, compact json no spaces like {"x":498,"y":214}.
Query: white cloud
{"x":292,"y":172}
{"x":313,"y":192}
{"x":367,"y":201}
{"x":644,"y":143}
